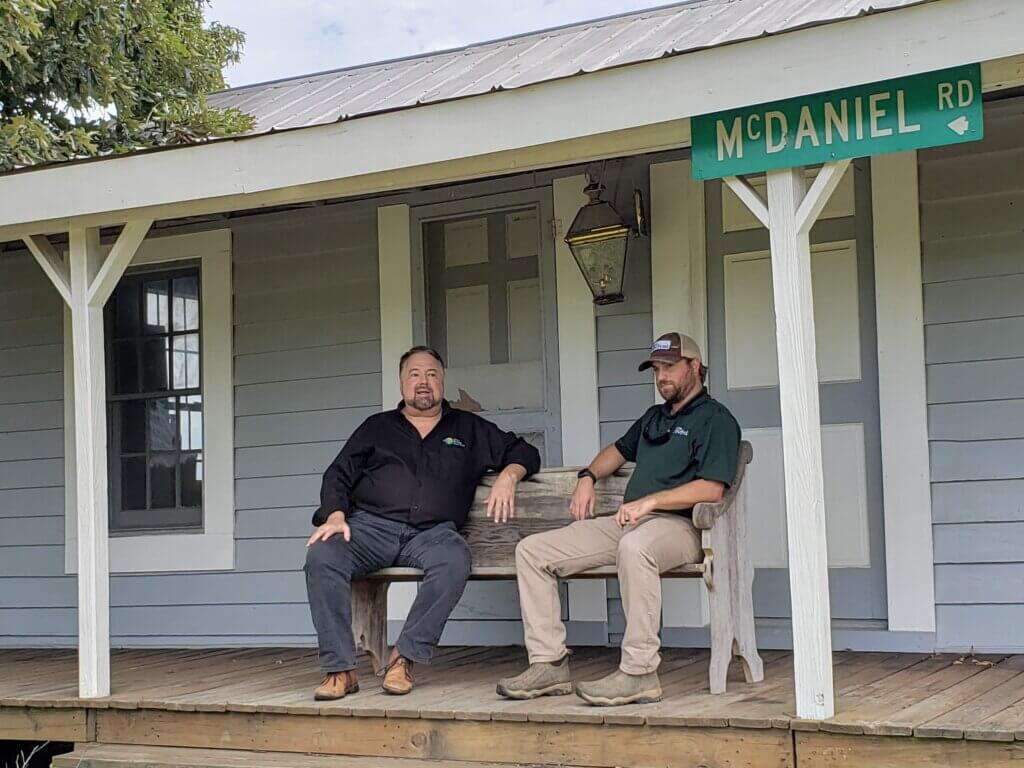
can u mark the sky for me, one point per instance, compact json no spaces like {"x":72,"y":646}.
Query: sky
{"x":285,"y":38}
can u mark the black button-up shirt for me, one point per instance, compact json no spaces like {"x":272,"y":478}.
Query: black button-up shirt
{"x":386,"y":469}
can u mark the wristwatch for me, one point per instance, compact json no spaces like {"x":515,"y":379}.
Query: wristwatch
{"x":585,"y":472}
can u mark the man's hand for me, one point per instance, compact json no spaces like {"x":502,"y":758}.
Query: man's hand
{"x":335,"y":524}
{"x":584,"y":499}
{"x":501,"y":503}
{"x":633,"y":511}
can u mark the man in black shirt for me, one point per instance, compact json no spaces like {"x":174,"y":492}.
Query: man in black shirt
{"x":396,"y":495}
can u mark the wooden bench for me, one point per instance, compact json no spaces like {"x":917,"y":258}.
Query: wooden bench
{"x":542,"y":504}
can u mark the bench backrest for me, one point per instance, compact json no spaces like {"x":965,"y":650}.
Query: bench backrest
{"x":542,"y":503}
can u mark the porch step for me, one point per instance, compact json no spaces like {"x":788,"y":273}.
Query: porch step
{"x":133,"y":756}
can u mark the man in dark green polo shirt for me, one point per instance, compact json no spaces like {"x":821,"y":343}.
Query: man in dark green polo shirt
{"x":685,"y":452}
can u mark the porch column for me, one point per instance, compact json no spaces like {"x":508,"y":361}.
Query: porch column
{"x":790,"y":212}
{"x":85,"y":283}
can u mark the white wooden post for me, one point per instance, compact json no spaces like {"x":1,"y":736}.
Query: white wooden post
{"x":790,"y":212}
{"x":91,"y":464}
{"x":86,"y":282}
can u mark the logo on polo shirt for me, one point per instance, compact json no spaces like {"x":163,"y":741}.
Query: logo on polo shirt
{"x":454,"y":441}
{"x":681,"y":431}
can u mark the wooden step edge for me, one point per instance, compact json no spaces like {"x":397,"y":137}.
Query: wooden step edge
{"x":134,"y":756}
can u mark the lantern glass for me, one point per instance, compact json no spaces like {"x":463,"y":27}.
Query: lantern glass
{"x":602,"y":263}
{"x":598,"y":239}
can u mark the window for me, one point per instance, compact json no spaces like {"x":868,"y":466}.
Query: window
{"x":155,"y":401}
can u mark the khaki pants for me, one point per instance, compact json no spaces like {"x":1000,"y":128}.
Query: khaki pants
{"x":641,"y":552}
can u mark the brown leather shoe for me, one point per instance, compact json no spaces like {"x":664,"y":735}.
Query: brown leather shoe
{"x":398,"y":677}
{"x":337,"y":685}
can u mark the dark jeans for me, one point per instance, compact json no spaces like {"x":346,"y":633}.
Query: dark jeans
{"x":376,"y":543}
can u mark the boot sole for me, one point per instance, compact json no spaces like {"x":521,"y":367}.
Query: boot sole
{"x":645,"y":697}
{"x":324,"y":697}
{"x":558,"y":689}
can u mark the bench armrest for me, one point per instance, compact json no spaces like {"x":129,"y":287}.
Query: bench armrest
{"x":706,"y":513}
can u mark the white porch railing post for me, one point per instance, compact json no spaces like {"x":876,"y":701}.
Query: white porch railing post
{"x":801,"y":440}
{"x":86,"y":259}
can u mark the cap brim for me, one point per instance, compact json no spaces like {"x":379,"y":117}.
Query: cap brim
{"x":656,"y":358}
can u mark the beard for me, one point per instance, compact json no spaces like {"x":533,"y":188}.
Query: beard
{"x":670,"y":392}
{"x":422,"y":400}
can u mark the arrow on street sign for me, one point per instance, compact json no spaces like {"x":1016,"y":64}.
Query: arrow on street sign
{"x":960,"y":125}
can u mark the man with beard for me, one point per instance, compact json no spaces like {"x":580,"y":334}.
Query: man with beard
{"x":396,"y":495}
{"x":685,"y":452}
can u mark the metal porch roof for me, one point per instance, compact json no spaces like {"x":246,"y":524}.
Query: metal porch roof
{"x":536,"y":57}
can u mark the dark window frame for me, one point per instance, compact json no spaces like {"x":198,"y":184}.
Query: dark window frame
{"x":179,"y":518}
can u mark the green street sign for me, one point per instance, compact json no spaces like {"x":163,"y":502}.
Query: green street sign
{"x":927,"y":110}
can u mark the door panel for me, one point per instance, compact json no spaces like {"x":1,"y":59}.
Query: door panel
{"x":490,"y":310}
{"x":743,"y":364}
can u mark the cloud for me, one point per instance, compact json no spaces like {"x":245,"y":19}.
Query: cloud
{"x":287,"y":38}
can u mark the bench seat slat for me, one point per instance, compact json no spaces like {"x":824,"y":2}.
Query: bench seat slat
{"x":507,"y":572}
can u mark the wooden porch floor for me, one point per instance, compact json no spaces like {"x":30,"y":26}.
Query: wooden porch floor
{"x":167,"y":697}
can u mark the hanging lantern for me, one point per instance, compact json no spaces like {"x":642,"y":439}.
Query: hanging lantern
{"x":598,"y":239}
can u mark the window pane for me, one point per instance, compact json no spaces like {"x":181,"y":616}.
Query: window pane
{"x":126,"y":310}
{"x":162,"y":481}
{"x":126,"y":367}
{"x":186,"y":361}
{"x":186,"y":303}
{"x":163,"y":425}
{"x":154,"y":297}
{"x":192,"y":480}
{"x":133,"y":483}
{"x":154,"y":365}
{"x":191,"y":424}
{"x":133,"y":426}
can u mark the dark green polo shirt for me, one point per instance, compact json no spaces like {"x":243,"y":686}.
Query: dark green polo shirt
{"x":700,"y":442}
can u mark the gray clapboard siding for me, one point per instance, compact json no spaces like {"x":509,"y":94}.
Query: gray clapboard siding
{"x":983,"y":380}
{"x":34,"y":473}
{"x":973,"y":627}
{"x":628,"y":402}
{"x":991,"y":255}
{"x":287,"y":491}
{"x":980,"y":501}
{"x":41,"y":301}
{"x":32,"y":561}
{"x":291,"y":428}
{"x":318,"y":394}
{"x":53,"y":592}
{"x":619,"y":367}
{"x":986,"y":420}
{"x":325,"y":331}
{"x":277,"y":460}
{"x":1001,"y":339}
{"x":32,"y":387}
{"x":973,"y":271}
{"x":31,"y":502}
{"x":961,"y":584}
{"x":274,"y":522}
{"x":44,"y":358}
{"x":32,"y":444}
{"x":30,"y":332}
{"x":309,"y":363}
{"x":974,"y":299}
{"x":613,"y":430}
{"x":990,"y":459}
{"x":17,"y":417}
{"x":979,"y":543}
{"x":32,"y":530}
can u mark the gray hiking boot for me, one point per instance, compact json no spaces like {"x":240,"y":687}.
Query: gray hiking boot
{"x":539,"y":679}
{"x":618,"y":688}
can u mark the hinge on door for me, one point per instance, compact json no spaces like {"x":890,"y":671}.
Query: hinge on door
{"x":556,"y":227}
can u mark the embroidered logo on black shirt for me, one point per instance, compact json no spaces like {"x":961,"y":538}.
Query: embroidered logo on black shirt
{"x":454,"y":441}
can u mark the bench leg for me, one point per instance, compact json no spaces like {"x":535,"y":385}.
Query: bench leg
{"x":370,"y":620}
{"x":721,"y":629}
{"x":743,"y":602}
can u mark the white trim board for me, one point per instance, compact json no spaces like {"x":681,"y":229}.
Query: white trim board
{"x":394,"y":264}
{"x":253,"y":171}
{"x":679,"y":303}
{"x":213,"y":549}
{"x":577,"y":371}
{"x":903,"y":413}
